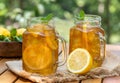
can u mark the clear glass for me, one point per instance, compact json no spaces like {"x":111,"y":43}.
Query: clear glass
{"x":40,"y":48}
{"x":89,"y":35}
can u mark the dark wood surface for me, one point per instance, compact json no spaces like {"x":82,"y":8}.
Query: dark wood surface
{"x":6,"y":76}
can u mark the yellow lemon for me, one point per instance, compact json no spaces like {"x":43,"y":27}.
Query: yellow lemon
{"x":4,"y":31}
{"x":79,"y":61}
{"x":20,"y":31}
{"x":37,"y":57}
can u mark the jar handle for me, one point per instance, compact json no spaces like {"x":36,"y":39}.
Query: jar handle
{"x":102,"y":45}
{"x":64,"y":51}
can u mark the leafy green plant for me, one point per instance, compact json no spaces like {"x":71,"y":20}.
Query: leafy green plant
{"x":13,"y":37}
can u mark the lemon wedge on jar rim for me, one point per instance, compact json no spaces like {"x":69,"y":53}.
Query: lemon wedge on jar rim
{"x":79,"y":61}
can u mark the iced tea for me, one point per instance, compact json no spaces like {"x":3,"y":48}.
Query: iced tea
{"x":40,"y":49}
{"x":91,"y":37}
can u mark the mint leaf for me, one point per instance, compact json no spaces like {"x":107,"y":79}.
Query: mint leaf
{"x":47,"y":18}
{"x":80,"y":16}
{"x":13,"y":32}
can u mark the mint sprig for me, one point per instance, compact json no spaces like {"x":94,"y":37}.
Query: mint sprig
{"x":47,"y":18}
{"x":80,"y":16}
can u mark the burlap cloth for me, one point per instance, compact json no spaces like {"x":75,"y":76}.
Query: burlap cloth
{"x":110,"y":67}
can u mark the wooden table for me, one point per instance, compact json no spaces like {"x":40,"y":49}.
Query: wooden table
{"x":6,"y":76}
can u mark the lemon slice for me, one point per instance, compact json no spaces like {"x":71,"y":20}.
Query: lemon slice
{"x":37,"y":57}
{"x":51,"y":39}
{"x":79,"y":61}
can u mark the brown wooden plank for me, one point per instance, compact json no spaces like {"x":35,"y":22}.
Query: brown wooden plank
{"x":0,"y":58}
{"x":7,"y":77}
{"x":3,"y":66}
{"x":112,"y":80}
{"x":21,"y":80}
{"x":92,"y":81}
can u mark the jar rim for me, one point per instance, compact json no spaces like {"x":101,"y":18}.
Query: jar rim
{"x":37,"y":20}
{"x":90,"y":18}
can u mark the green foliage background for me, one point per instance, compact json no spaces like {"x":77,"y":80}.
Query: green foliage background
{"x":14,"y":12}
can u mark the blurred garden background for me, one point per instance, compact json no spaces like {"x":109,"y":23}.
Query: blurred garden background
{"x":13,"y":14}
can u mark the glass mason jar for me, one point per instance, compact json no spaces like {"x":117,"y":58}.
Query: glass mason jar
{"x":40,"y":48}
{"x":89,"y":35}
